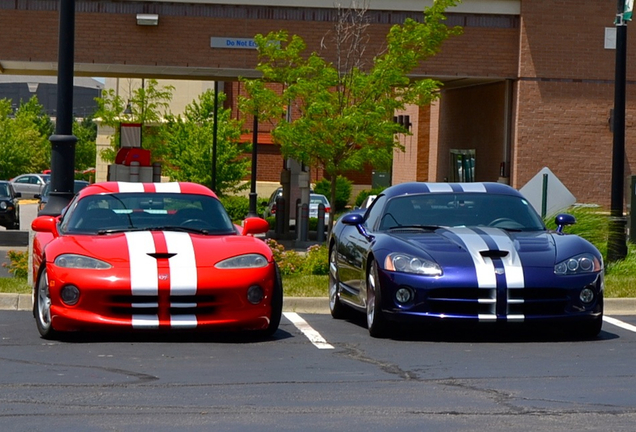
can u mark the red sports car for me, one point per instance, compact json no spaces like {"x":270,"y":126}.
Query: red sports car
{"x":152,"y":256}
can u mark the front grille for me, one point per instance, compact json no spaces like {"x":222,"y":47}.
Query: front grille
{"x":487,"y":302}
{"x":127,"y":305}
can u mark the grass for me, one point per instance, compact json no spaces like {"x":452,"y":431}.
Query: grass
{"x":306,"y":285}
{"x":14,"y":285}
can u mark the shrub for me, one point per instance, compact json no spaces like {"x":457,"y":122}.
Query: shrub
{"x":365,"y":193}
{"x":238,"y":206}
{"x":312,"y":262}
{"x":19,"y":263}
{"x":343,"y":191}
{"x":317,"y":260}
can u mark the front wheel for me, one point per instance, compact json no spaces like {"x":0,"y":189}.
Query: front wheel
{"x":277,"y":305}
{"x":42,"y":307}
{"x":590,"y":329}
{"x":376,"y":323}
{"x":336,"y":307}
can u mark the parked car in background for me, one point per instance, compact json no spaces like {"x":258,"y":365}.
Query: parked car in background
{"x":46,"y":191}
{"x":9,"y":206}
{"x":463,"y":252}
{"x":156,"y":257}
{"x":29,"y":185}
{"x":314,"y":201}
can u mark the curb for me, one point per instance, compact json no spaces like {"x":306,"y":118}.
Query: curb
{"x":314,"y":305}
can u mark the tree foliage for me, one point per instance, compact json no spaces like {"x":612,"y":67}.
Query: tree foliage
{"x":188,"y":142}
{"x":24,"y":143}
{"x":346,"y":108}
{"x":148,"y":105}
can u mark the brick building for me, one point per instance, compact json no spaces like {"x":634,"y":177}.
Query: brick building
{"x":529,"y":84}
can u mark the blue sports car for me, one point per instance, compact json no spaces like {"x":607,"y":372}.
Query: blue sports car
{"x":462,"y":252}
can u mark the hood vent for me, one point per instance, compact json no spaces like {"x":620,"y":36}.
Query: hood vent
{"x":165,"y":255}
{"x":494,"y":253}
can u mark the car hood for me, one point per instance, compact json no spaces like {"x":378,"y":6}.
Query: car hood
{"x":137,"y":247}
{"x":448,"y":246}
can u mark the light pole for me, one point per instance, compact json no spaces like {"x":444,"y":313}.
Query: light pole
{"x":616,"y":242}
{"x":63,"y":141}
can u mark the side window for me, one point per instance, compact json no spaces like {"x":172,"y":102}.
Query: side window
{"x":374,"y":212}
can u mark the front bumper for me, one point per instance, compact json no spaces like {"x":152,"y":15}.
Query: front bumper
{"x":107,"y":302}
{"x":559,"y":300}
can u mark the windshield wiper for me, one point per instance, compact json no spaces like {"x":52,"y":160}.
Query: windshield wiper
{"x":154,"y":228}
{"x":416,"y":227}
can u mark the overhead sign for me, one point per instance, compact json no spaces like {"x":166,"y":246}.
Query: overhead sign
{"x":228,"y":42}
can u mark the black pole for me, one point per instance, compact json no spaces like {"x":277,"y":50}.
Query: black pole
{"x":252,"y":211}
{"x":215,"y":129}
{"x":63,"y":141}
{"x":616,"y":244}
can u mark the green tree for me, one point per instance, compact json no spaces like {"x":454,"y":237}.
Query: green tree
{"x":24,"y":144}
{"x":346,"y":107}
{"x":85,"y":131}
{"x":148,"y":105}
{"x":188,"y":141}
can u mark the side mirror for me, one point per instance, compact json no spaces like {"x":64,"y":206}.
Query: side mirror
{"x":564,"y":219}
{"x":47,"y":224}
{"x":352,"y":219}
{"x":255,"y":225}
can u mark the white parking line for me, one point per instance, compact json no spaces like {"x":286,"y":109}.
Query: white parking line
{"x":313,"y":336}
{"x":619,"y":323}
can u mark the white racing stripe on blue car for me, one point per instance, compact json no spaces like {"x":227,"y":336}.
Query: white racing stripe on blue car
{"x":439,"y":187}
{"x":483,"y":265}
{"x":512,"y":261}
{"x":473,"y":187}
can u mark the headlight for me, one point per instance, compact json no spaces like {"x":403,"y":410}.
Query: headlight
{"x":243,"y":261}
{"x":80,"y":262}
{"x":579,"y":264}
{"x":3,"y":205}
{"x":401,"y":262}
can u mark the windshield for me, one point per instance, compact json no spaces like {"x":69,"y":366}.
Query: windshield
{"x":465,"y":209}
{"x":4,"y":190}
{"x":108,"y":213}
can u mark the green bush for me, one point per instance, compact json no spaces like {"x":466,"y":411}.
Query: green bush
{"x":238,"y":206}
{"x":312,"y":262}
{"x":316,"y":260}
{"x":365,"y":193}
{"x":343,"y":191}
{"x":18,"y":263}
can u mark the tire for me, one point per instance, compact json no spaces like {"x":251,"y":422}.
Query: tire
{"x":336,"y":307}
{"x":376,"y":323}
{"x":590,"y":329}
{"x":42,"y":308}
{"x":277,"y":306}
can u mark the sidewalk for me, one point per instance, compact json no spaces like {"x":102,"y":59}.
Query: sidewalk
{"x":316,"y":305}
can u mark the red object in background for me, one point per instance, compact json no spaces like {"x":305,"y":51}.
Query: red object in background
{"x":126,"y":155}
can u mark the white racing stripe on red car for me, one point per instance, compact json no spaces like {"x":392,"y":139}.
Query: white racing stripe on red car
{"x":172,"y":187}
{"x":144,"y":274}
{"x":125,"y":187}
{"x":144,"y":280}
{"x":183,"y":266}
{"x":183,"y":275}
